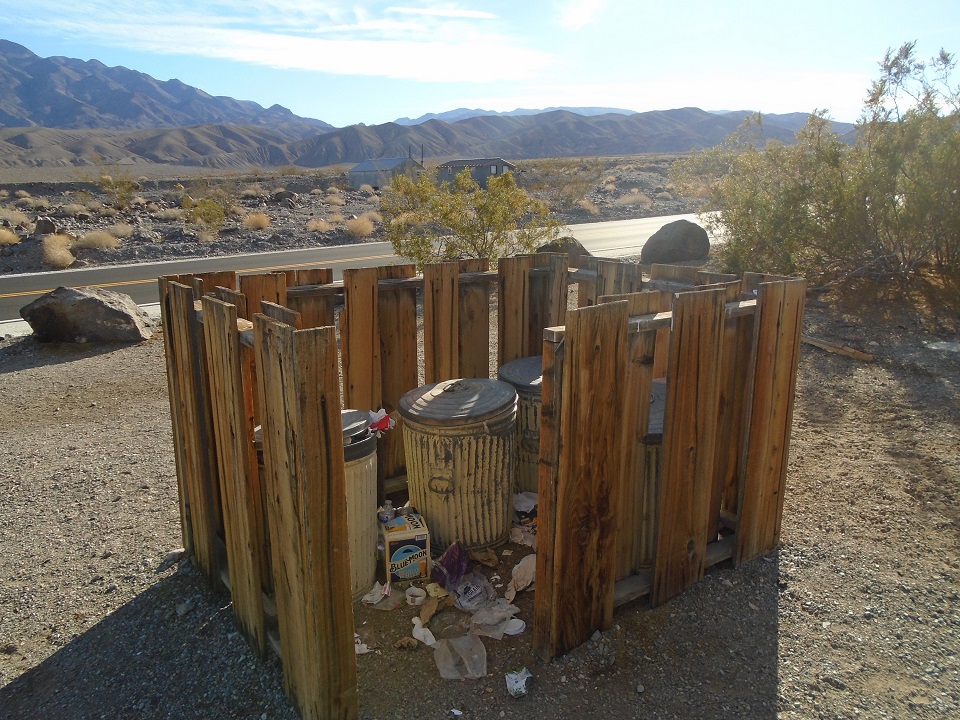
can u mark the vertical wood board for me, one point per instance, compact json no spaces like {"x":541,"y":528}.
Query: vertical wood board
{"x":362,"y":382}
{"x":441,"y":312}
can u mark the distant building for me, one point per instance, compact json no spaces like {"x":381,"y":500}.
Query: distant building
{"x":378,"y":173}
{"x":480,"y":168}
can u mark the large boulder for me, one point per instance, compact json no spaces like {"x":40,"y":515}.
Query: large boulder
{"x":679,"y":240}
{"x":86,"y":314}
{"x":569,"y":246}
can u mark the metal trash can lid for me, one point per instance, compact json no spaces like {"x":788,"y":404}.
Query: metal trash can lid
{"x":524,"y":373}
{"x":356,"y":425}
{"x":458,"y":401}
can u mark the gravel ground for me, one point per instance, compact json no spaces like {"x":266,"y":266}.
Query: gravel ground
{"x":855,"y":616}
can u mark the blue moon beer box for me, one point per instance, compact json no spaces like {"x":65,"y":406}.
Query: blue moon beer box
{"x":406,"y":548}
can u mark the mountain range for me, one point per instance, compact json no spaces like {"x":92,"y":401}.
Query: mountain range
{"x":65,"y":112}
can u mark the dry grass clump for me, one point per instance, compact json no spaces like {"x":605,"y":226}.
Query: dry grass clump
{"x":251,"y":192}
{"x":590,"y":206}
{"x":8,"y":237}
{"x":73,"y":209}
{"x":4,"y":194}
{"x":121,"y":230}
{"x":318,"y":225}
{"x":107,"y":211}
{"x":373,"y":215}
{"x":360,"y":227}
{"x":634,"y":198}
{"x":368,"y":189}
{"x":316,"y":191}
{"x":256,"y":221}
{"x":610,"y":179}
{"x":333,"y":190}
{"x":96,"y":239}
{"x":610,"y":187}
{"x":335,"y":218}
{"x":206,"y":236}
{"x":21,"y":194}
{"x":152,"y":208}
{"x":334,"y":200}
{"x":55,"y":250}
{"x":14,"y":217}
{"x":35,"y":204}
{"x":169,"y":214}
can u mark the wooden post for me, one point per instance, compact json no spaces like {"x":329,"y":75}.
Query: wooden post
{"x":776,"y":345}
{"x":362,"y":384}
{"x":199,"y":443}
{"x":544,"y":603}
{"x":315,"y":310}
{"x":689,"y":434}
{"x":589,"y":482}
{"x":271,"y":286}
{"x":513,"y":303}
{"x":303,"y":448}
{"x":237,"y":463}
{"x":474,"y":332}
{"x":441,"y":310}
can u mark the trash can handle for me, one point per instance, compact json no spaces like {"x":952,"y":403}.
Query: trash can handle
{"x":441,"y":484}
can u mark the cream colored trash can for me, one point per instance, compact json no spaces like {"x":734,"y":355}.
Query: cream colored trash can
{"x":459,"y":437}
{"x":526,"y":374}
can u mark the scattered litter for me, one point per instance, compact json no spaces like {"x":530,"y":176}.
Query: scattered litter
{"x":428,"y":610}
{"x":525,"y":502}
{"x":423,"y":634}
{"x":360,"y":647}
{"x":523,"y":535}
{"x":435,"y":591}
{"x":524,"y":574}
{"x":517,"y":682}
{"x":452,"y":566}
{"x":939,"y":345}
{"x":380,"y":421}
{"x":381,"y":597}
{"x":485,"y":557}
{"x":491,"y":621}
{"x":406,"y":643}
{"x":462,"y":658}
{"x":449,"y":624}
{"x":514,"y":626}
{"x":456,"y":713}
{"x":415,"y":596}
{"x":473,"y":592}
{"x":507,"y":553}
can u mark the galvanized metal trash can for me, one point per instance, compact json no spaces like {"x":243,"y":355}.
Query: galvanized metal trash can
{"x":460,"y":441}
{"x":526,"y":375}
{"x":360,"y":473}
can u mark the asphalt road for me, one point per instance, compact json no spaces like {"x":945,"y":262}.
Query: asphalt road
{"x":617,"y":238}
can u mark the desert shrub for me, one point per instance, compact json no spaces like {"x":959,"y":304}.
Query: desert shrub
{"x":8,"y":237}
{"x":289,"y":170}
{"x":634,"y":198}
{"x":334,"y":200}
{"x":73,"y":209}
{"x":251,"y":192}
{"x":14,"y":217}
{"x":169,"y":214}
{"x":207,"y":212}
{"x":93,"y":206}
{"x":333,"y":190}
{"x":318,"y":225}
{"x":373,"y":215}
{"x":108,"y":211}
{"x":359,"y":227}
{"x":4,"y":194}
{"x":316,"y":191}
{"x":205,"y":236}
{"x":96,"y":239}
{"x":336,"y":218}
{"x":55,"y":250}
{"x":610,"y":187}
{"x":590,"y":206}
{"x":256,"y":221}
{"x":367,"y":189}
{"x":20,"y":194}
{"x":152,"y":208}
{"x":121,"y":230}
{"x":35,"y":204}
{"x":119,"y":189}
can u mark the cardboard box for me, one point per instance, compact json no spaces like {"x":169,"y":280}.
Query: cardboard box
{"x":406,"y":548}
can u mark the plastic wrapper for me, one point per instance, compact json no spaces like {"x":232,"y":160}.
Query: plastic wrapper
{"x":462,"y":658}
{"x":473,"y":592}
{"x":524,"y":574}
{"x":452,"y":566}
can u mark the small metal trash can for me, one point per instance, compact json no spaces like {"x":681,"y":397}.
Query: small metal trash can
{"x":459,"y":437}
{"x":526,"y":375}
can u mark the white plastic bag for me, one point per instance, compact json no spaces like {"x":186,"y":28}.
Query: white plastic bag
{"x":462,"y":658}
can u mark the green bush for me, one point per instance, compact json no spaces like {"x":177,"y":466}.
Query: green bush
{"x":207,"y":212}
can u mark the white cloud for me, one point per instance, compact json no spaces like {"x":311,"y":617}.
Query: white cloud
{"x":575,"y":14}
{"x":445,"y":13}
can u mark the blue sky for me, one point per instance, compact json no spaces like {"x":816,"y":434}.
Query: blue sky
{"x":357,"y":61}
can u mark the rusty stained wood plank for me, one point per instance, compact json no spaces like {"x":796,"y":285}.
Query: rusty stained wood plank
{"x":589,"y":478}
{"x":237,"y":463}
{"x":270,"y":286}
{"x":634,"y":495}
{"x":544,"y":627}
{"x":303,"y":447}
{"x":441,"y":312}
{"x":399,"y":370}
{"x":360,"y":340}
{"x":193,"y":395}
{"x":474,"y":332}
{"x":776,"y":355}
{"x":315,"y":310}
{"x":689,"y":441}
{"x":513,"y":307}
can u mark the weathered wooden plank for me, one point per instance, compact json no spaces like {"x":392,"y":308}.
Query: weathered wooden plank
{"x":270,"y":286}
{"x":616,"y":277}
{"x":441,"y":313}
{"x":674,"y":273}
{"x":303,"y":449}
{"x":544,"y":627}
{"x":590,"y":467}
{"x":360,"y":328}
{"x":513,"y":303}
{"x":547,"y":298}
{"x":689,"y":436}
{"x":776,"y":356}
{"x":633,"y":492}
{"x":210,"y":280}
{"x":281,"y":314}
{"x":234,"y":297}
{"x":706,"y":277}
{"x":315,"y":310}
{"x":630,"y":588}
{"x":237,"y":464}
{"x":193,"y":395}
{"x":474,"y":332}
{"x":398,"y":361}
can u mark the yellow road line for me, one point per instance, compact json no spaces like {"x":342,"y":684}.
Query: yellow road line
{"x":121,"y":283}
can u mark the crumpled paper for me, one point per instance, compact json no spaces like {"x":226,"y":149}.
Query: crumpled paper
{"x":524,"y":575}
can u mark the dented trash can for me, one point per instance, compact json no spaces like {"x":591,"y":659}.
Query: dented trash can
{"x":526,"y":376}
{"x":460,"y":443}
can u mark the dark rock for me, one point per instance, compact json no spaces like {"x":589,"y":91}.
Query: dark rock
{"x":570,"y":246}
{"x":45,"y":226}
{"x":288,"y":203}
{"x":86,"y":314}
{"x":282,"y":195}
{"x":679,"y":240}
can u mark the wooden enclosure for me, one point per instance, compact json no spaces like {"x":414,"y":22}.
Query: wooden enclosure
{"x":623,"y":513}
